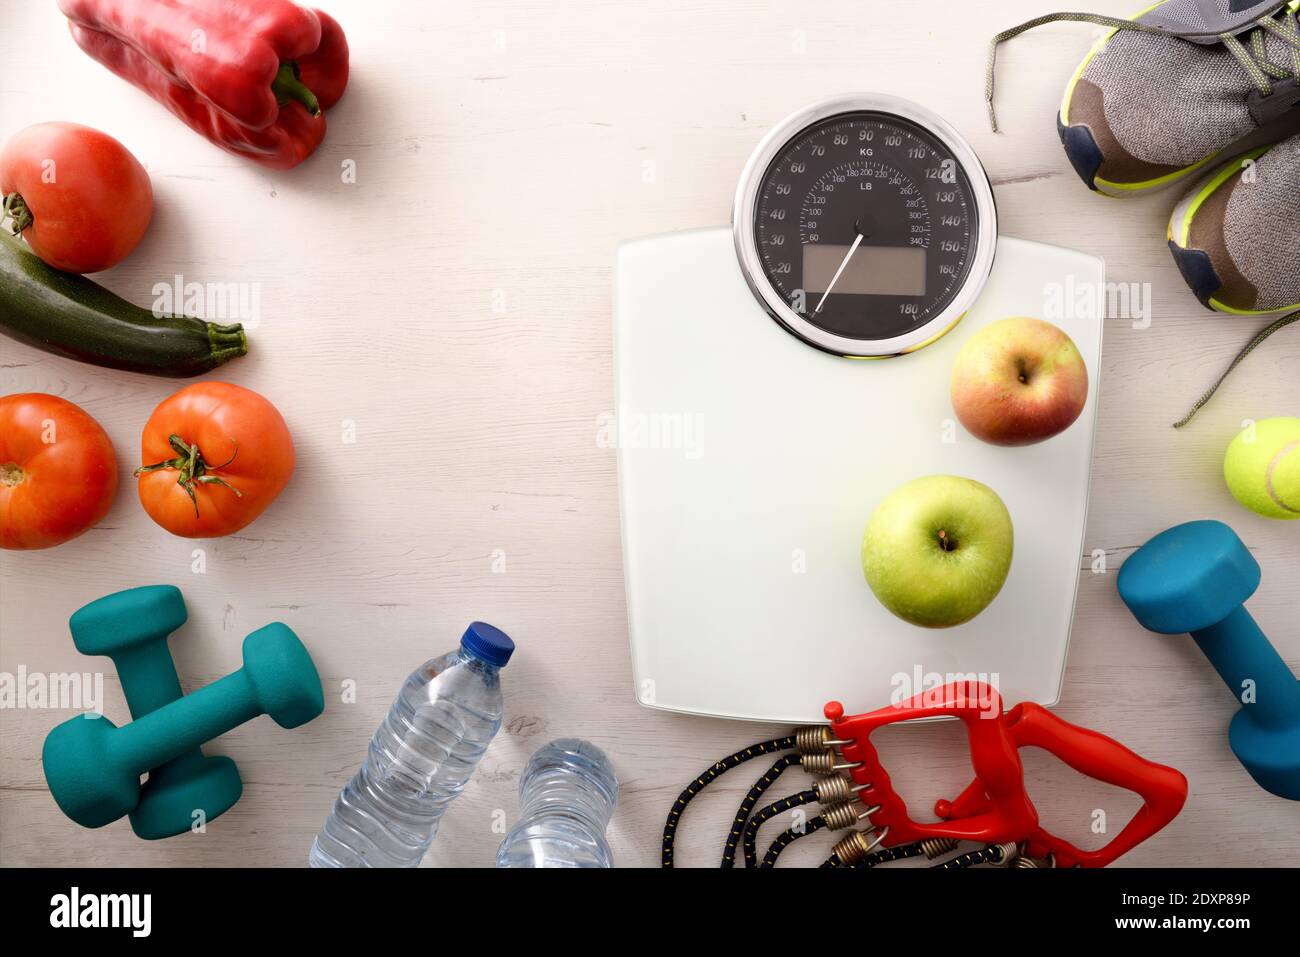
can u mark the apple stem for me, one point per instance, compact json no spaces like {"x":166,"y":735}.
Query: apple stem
{"x":945,"y":543}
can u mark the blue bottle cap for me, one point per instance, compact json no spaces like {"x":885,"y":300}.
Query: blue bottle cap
{"x":489,"y":643}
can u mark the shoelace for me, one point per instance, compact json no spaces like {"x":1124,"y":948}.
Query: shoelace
{"x":1249,"y":348}
{"x":1283,"y":23}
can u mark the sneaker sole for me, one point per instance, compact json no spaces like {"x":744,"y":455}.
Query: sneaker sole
{"x":1086,"y":157}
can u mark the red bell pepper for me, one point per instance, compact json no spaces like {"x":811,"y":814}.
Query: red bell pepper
{"x":253,"y":76}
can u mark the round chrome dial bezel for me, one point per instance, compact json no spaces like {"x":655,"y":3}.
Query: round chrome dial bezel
{"x":775,"y":142}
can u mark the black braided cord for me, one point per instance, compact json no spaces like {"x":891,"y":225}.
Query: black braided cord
{"x":887,"y":854}
{"x":788,"y":837}
{"x":747,"y":805}
{"x":706,"y":778}
{"x":989,"y":854}
{"x":772,"y":810}
{"x":882,"y":856}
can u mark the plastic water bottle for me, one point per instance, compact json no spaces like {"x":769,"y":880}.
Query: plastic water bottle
{"x":566,"y":796}
{"x":420,"y":759}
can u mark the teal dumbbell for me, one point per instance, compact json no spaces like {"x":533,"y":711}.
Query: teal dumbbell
{"x":1195,"y":578}
{"x":131,"y":627}
{"x":93,"y":767}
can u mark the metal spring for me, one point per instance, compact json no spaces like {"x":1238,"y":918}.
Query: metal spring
{"x":823,"y":764}
{"x":811,"y":739}
{"x":1025,"y":863}
{"x":933,"y":847}
{"x":857,"y":845}
{"x":816,"y":739}
{"x":1010,"y":852}
{"x":840,"y":816}
{"x":837,"y":789}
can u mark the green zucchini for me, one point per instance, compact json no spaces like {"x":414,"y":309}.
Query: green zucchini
{"x":71,"y":316}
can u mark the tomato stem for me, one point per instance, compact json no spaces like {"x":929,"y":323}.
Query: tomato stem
{"x":192,"y":467}
{"x":11,"y":474}
{"x":15,"y":207}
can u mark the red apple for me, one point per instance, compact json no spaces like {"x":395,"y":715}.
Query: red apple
{"x":1018,"y":381}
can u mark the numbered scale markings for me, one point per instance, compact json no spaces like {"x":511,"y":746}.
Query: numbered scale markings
{"x":865,"y":225}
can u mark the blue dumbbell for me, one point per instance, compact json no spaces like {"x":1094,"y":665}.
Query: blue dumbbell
{"x":1195,"y":578}
{"x":132,"y":627}
{"x":93,"y":767}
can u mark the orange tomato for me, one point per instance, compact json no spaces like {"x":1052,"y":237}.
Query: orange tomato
{"x":58,"y":473}
{"x":213,"y":457}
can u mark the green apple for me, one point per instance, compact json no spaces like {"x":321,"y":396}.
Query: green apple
{"x":938,"y":549}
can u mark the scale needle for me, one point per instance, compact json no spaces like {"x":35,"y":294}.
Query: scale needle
{"x":834,"y":279}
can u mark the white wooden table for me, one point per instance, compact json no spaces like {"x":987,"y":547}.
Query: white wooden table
{"x":450,"y":312}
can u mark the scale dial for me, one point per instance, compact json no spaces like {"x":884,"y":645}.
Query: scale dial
{"x":865,"y":225}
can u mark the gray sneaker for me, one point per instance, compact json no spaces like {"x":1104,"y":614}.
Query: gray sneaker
{"x":1183,"y":86}
{"x":1236,"y":234}
{"x":1236,"y":239}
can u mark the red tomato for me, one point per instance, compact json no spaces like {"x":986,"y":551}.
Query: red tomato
{"x":58,"y":473}
{"x":213,"y":457}
{"x":78,"y":197}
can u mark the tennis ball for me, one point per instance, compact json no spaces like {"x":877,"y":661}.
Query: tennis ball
{"x":1262,"y":467}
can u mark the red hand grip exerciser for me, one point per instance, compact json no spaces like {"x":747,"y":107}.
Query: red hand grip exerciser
{"x":996,"y":808}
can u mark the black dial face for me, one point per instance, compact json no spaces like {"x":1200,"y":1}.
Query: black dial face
{"x":866,"y":225}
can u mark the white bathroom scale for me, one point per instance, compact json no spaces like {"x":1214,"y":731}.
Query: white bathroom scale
{"x":776,"y":380}
{"x":749,"y":464}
